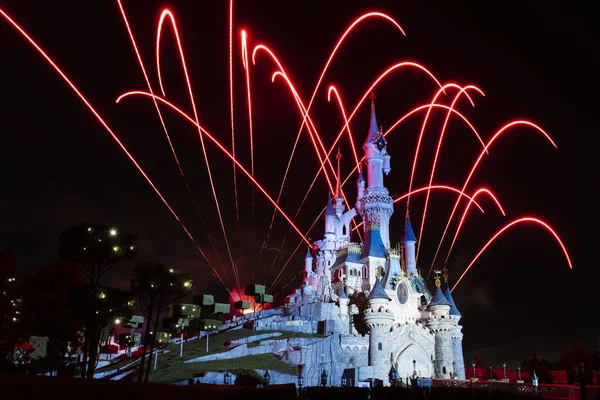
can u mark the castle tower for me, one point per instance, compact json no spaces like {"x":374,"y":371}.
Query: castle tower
{"x":409,"y":249}
{"x":442,"y":327}
{"x":376,"y":206}
{"x":339,"y":202}
{"x":457,"y":335}
{"x":343,"y":302}
{"x":308,"y":263}
{"x":379,"y":318}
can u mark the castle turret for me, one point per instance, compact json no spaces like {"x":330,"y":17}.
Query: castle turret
{"x":339,"y":201}
{"x":343,"y":302}
{"x":409,"y":249}
{"x":360,"y":185}
{"x":442,"y":327}
{"x":330,"y":218}
{"x":457,"y":335}
{"x":379,"y":318}
{"x":376,"y":206}
{"x":308,"y":263}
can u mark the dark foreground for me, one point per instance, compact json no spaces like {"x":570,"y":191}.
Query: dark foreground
{"x":25,"y":387}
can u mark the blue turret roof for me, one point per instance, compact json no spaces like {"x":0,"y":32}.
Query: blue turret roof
{"x":409,"y":235}
{"x":329,"y":210}
{"x":308,"y":253}
{"x":377,"y":292}
{"x":373,"y":245}
{"x":439,"y":299}
{"x":361,"y":177}
{"x":343,"y":295}
{"x":373,"y":126}
{"x":448,"y":296}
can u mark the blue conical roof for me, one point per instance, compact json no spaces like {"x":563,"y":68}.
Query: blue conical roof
{"x":448,"y":296}
{"x":329,"y":210}
{"x":373,"y":244}
{"x":361,"y":177}
{"x":308,"y":253}
{"x":343,"y":295}
{"x":439,"y":299}
{"x":409,"y":235}
{"x":377,"y":292}
{"x":373,"y":126}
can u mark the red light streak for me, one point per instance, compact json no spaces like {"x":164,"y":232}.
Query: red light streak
{"x":476,"y":164}
{"x":437,"y":153}
{"x":167,"y":13}
{"x":222,"y":148}
{"x":162,"y":122}
{"x":247,"y":69}
{"x":343,"y":111}
{"x":460,"y":224}
{"x":461,"y":193}
{"x":508,"y":226}
{"x":237,"y":211}
{"x":108,"y":129}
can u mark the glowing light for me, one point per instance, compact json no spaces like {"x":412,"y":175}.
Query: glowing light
{"x":117,"y":321}
{"x":460,"y":224}
{"x":116,"y":248}
{"x":510,"y":225}
{"x":187,"y":284}
{"x":499,"y":133}
{"x":167,"y":13}
{"x":224,"y":150}
{"x":89,"y":229}
{"x":171,"y":270}
{"x":237,"y":211}
{"x":101,"y":295}
{"x":113,"y":232}
{"x":105,"y":126}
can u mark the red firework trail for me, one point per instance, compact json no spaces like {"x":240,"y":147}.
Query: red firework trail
{"x":508,"y":226}
{"x":325,"y":68}
{"x":460,"y":224}
{"x":343,"y":111}
{"x":436,"y":187}
{"x":162,"y":122}
{"x":222,"y":148}
{"x":167,"y":13}
{"x":369,"y":90}
{"x":437,"y":153}
{"x":474,"y":168}
{"x":237,"y":212}
{"x":109,"y":130}
{"x":247,"y":69}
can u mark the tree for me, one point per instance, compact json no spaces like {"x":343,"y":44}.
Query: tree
{"x":95,"y":249}
{"x":156,"y":287}
{"x":47,"y":305}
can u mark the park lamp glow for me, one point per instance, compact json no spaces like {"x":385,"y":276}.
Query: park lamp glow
{"x":117,"y":321}
{"x":89,"y":228}
{"x":116,"y":249}
{"x":171,"y":270}
{"x":101,"y":295}
{"x":187,"y":284}
{"x":131,"y":247}
{"x":113,"y":232}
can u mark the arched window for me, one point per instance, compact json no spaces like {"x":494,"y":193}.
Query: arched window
{"x":344,"y":232}
{"x":444,"y":370}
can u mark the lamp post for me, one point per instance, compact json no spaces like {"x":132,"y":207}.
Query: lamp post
{"x":267,"y":378}
{"x":491,"y":372}
{"x":414,"y":368}
{"x":534,"y":381}
{"x":504,"y":370}
{"x":324,"y":378}
{"x":300,"y":381}
{"x":520,"y":380}
{"x":227,"y":378}
{"x":474,"y":379}
{"x":453,"y":376}
{"x":393,"y":376}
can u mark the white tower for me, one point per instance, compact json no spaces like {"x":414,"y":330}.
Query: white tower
{"x":379,"y":318}
{"x":442,"y":327}
{"x":409,"y":250}
{"x":376,"y":206}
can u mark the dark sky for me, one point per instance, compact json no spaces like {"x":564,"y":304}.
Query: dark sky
{"x":534,"y":60}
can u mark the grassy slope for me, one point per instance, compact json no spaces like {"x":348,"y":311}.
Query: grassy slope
{"x":172,"y":368}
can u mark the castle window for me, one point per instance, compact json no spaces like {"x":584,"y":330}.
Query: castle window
{"x":344,"y":230}
{"x":380,"y":347}
{"x":444,"y":370}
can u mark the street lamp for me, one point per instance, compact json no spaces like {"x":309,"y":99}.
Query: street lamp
{"x":324,"y":378}
{"x":453,"y":370}
{"x":534,"y":381}
{"x":414,"y":368}
{"x":393,"y":376}
{"x":504,"y":369}
{"x":267,"y":378}
{"x":227,"y":378}
{"x":491,"y":372}
{"x":300,"y":380}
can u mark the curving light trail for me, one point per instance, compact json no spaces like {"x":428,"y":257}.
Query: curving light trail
{"x":462,"y":219}
{"x":499,"y":133}
{"x":220,"y":147}
{"x":248,"y":92}
{"x":510,"y":225}
{"x":90,"y":107}
{"x":435,"y":187}
{"x":237,"y":210}
{"x":171,"y":18}
{"x":463,"y":90}
{"x":332,"y":89}
{"x":162,"y":122}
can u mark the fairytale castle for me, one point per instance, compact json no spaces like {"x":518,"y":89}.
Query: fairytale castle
{"x":369,"y":299}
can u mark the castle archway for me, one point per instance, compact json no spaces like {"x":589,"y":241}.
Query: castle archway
{"x":404,"y":362}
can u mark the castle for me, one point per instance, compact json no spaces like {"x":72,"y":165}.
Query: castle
{"x":369,"y":299}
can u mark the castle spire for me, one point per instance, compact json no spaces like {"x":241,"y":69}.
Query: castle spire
{"x":338,"y":186}
{"x":329,"y":209}
{"x":373,"y":126}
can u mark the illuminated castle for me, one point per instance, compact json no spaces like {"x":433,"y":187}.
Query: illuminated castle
{"x":370,"y":298}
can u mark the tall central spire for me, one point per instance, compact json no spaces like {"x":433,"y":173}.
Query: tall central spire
{"x":338,"y":186}
{"x":373,"y":126}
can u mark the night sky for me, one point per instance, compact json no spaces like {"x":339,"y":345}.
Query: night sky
{"x":533,"y":60}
